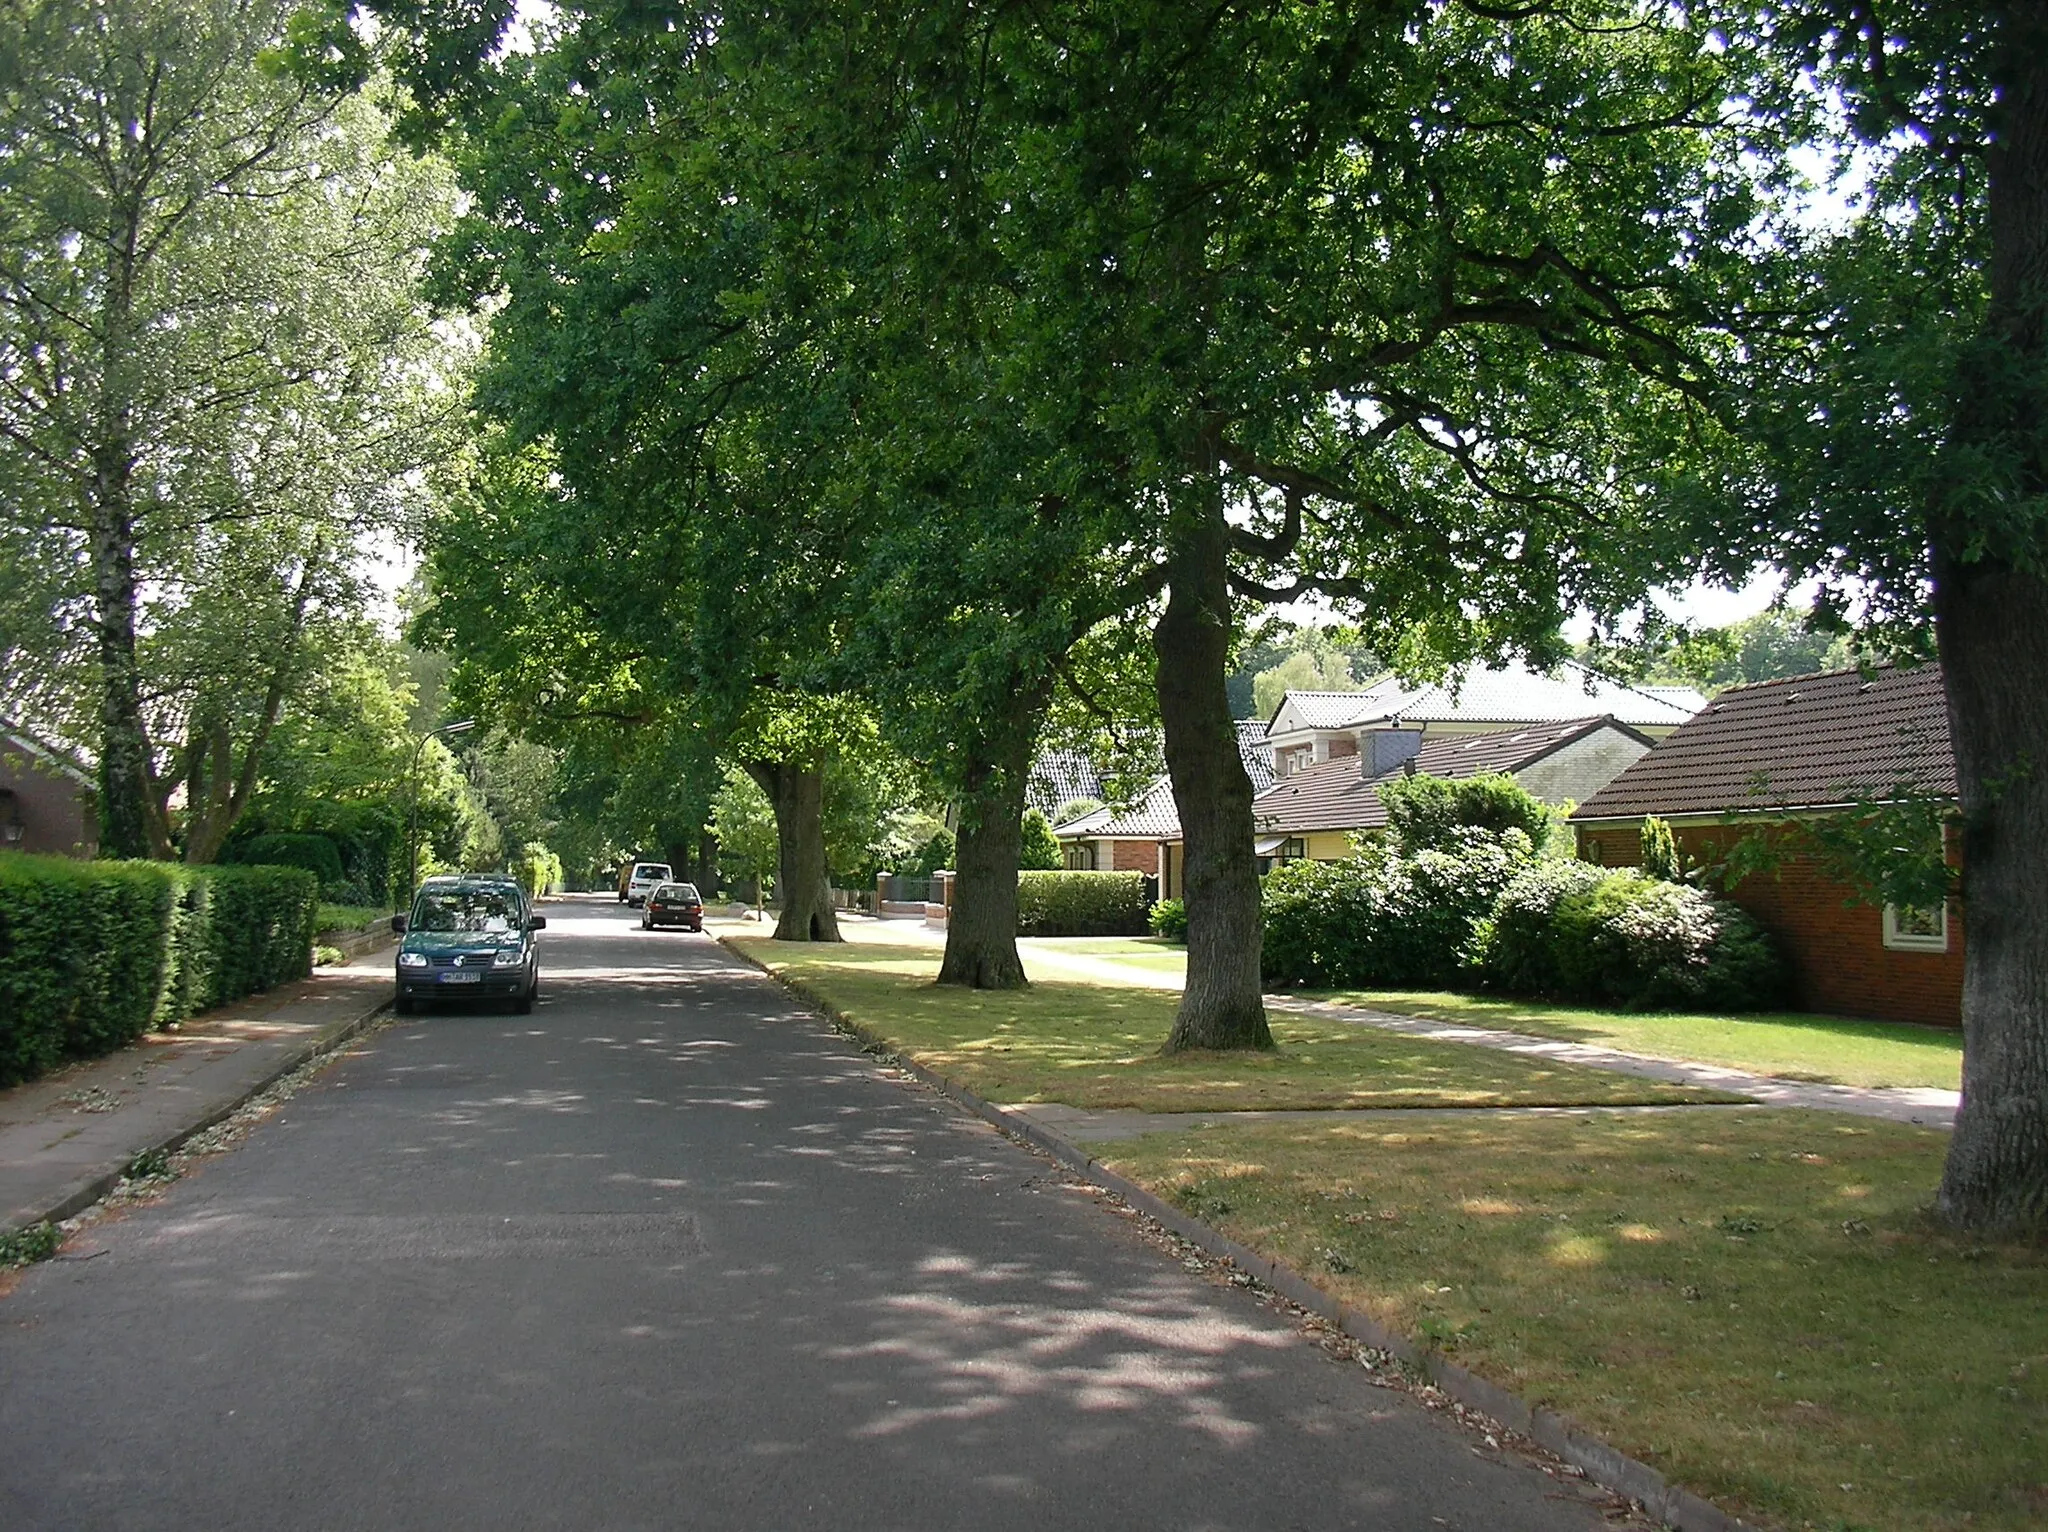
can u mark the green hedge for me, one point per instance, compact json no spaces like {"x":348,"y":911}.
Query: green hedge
{"x":315,"y":852}
{"x":94,"y":954}
{"x":1081,"y":904}
{"x":1169,"y":918}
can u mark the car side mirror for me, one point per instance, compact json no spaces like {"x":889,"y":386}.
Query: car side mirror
{"x":398,"y":924}
{"x":537,"y":923}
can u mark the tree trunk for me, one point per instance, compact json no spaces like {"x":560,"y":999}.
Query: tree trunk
{"x":802,"y":880}
{"x":1994,"y":653}
{"x":706,"y":868}
{"x":1221,"y":1005}
{"x":124,"y":739}
{"x":981,"y":933}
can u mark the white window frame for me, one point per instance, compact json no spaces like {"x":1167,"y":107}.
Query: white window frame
{"x":1916,"y":941}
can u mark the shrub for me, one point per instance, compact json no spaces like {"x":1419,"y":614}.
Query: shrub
{"x":1514,"y":948}
{"x":1039,"y":849}
{"x":93,"y":954}
{"x":1081,"y":904}
{"x":1646,"y":944}
{"x":315,"y":852}
{"x":1380,"y":917}
{"x":934,"y":854}
{"x":1425,"y":812}
{"x":1660,"y":851}
{"x":1169,"y":918}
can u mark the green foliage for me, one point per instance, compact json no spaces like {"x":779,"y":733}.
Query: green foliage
{"x":1081,"y":904}
{"x":1425,"y":811}
{"x":1387,"y":917}
{"x":26,"y":1246}
{"x":744,"y":822}
{"x":935,"y":854}
{"x":1514,"y":948}
{"x":1643,"y":944}
{"x":93,"y":954}
{"x":1169,"y":918}
{"x":1660,"y":851}
{"x":317,"y":854}
{"x":1040,"y":848}
{"x":539,"y":870}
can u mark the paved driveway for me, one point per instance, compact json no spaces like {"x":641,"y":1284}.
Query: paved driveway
{"x":670,"y":1253}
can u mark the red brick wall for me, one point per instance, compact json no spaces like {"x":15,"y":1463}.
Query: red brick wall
{"x":1836,"y":947}
{"x":1133,"y":856}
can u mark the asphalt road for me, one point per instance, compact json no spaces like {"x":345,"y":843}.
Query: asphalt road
{"x":671,"y":1253}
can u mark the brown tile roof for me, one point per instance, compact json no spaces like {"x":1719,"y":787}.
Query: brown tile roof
{"x":1337,"y":795}
{"x":1807,"y":742}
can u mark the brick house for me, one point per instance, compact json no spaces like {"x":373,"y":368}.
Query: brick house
{"x":46,"y":798}
{"x":1780,"y":750}
{"x":1145,"y":836}
{"x":1316,"y":809}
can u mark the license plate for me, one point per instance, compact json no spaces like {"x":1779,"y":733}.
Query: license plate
{"x":461,"y":978}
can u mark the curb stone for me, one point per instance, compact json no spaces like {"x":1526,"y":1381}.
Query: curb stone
{"x":1603,"y":1463}
{"x":81,"y":1197}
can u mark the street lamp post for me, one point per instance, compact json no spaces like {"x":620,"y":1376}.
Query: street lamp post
{"x":412,"y":813}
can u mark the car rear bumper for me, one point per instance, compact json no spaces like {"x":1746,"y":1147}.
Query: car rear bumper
{"x":675,"y":918}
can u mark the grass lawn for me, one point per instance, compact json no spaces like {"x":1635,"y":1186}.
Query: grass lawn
{"x":1096,"y":1045}
{"x":1753,"y":1302}
{"x":348,"y":917}
{"x":1791,"y":1045}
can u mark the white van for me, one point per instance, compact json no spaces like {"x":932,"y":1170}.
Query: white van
{"x":641,"y":880}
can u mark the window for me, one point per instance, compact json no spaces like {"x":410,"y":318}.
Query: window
{"x":1080,"y":856}
{"x":1292,"y":849}
{"x":1909,"y":929}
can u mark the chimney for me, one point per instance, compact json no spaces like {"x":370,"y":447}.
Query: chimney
{"x":1389,"y":748}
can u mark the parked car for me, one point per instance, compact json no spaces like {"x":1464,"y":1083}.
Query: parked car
{"x":468,"y":938}
{"x":639,"y":879}
{"x":673,"y":904}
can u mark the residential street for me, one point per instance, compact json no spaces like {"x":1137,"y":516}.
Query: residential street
{"x":671,"y":1253}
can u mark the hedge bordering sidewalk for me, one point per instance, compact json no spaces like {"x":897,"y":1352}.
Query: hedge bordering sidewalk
{"x":65,"y":1139}
{"x":1604,"y":1464}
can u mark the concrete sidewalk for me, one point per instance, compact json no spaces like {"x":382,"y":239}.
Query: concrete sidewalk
{"x":65,"y":1138}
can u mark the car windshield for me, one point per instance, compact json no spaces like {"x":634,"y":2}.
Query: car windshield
{"x":467,"y":909}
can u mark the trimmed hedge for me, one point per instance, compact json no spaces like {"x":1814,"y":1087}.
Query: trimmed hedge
{"x":1081,"y":904}
{"x":316,"y":853}
{"x":94,"y":954}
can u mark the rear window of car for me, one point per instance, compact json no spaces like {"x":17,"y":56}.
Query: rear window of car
{"x":647,"y":870}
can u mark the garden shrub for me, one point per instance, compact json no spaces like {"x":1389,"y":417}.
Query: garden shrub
{"x":1425,"y":812}
{"x":1038,"y":849}
{"x":1169,"y":918}
{"x":93,"y":954}
{"x":1646,"y":944}
{"x":1514,"y":948}
{"x":1081,"y":904}
{"x":1385,"y":918}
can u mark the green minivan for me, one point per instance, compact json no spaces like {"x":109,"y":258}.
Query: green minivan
{"x":468,"y":938}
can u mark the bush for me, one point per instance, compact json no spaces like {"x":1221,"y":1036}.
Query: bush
{"x":1169,"y":918}
{"x":1660,"y":851}
{"x":316,"y":853}
{"x":93,"y":954}
{"x":1514,"y":949}
{"x":1039,"y":849}
{"x":1380,"y":917}
{"x":1646,"y":944}
{"x":1425,"y":812}
{"x":1081,"y":904}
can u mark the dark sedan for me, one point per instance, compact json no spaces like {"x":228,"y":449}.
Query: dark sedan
{"x":673,"y":904}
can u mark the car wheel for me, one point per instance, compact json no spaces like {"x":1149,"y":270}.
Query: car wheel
{"x":402,"y":1006}
{"x":523,"y":1006}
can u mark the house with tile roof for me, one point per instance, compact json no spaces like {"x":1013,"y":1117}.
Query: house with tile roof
{"x":46,"y":797}
{"x":1310,"y":727}
{"x":1145,"y":836}
{"x":1316,"y":809}
{"x":1763,"y":756}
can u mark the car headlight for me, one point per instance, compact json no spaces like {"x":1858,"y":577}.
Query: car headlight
{"x":412,"y":960}
{"x":508,"y":957}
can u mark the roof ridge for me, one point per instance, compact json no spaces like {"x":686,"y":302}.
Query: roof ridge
{"x":1824,"y":675}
